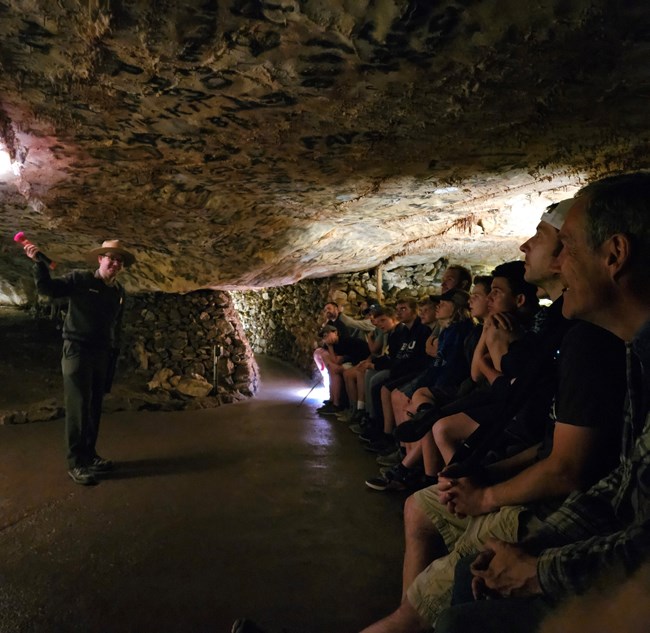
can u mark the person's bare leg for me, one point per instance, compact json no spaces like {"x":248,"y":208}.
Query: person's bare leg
{"x":433,"y":461}
{"x":336,"y":386}
{"x":413,"y":455}
{"x":361,"y":386}
{"x":320,"y":357}
{"x":450,"y":432}
{"x":350,"y":380}
{"x":405,"y":620}
{"x":422,"y":396}
{"x":422,"y":543}
{"x":400,"y":402}
{"x":387,"y":408}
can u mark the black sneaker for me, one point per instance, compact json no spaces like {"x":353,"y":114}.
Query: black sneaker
{"x":397,"y":478}
{"x":329,"y":409}
{"x":100,"y":465}
{"x":380,"y":444}
{"x":384,"y":484}
{"x":82,"y":476}
{"x":390,"y":459}
{"x":391,"y":449}
{"x":371,"y":436}
{"x":418,"y":426}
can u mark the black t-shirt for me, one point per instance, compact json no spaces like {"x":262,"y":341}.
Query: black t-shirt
{"x":353,"y":350}
{"x":591,"y":387}
{"x":565,"y":377}
{"x":533,"y":360}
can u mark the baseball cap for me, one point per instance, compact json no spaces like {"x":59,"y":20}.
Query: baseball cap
{"x":555,"y":214}
{"x":325,"y":330}
{"x":457,"y":296}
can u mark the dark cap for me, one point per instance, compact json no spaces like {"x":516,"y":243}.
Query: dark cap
{"x":458,"y":297}
{"x":325,"y":330}
{"x":373,"y":308}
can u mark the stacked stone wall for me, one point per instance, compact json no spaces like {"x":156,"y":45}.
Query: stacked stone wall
{"x":284,"y":321}
{"x":179,"y":333}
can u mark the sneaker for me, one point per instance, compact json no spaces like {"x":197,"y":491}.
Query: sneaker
{"x":418,"y":426}
{"x":385,"y":484}
{"x":412,"y":481}
{"x":82,"y":476}
{"x":329,"y":409}
{"x":391,"y":450}
{"x":100,"y":465}
{"x":391,"y":459}
{"x":346,"y":416}
{"x":381,"y":444}
{"x":245,"y":626}
{"x":358,"y":428}
{"x":371,"y":434}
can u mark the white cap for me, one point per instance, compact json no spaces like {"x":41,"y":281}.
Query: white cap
{"x":555,"y":217}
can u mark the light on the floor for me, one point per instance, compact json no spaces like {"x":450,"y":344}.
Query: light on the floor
{"x":318,"y":394}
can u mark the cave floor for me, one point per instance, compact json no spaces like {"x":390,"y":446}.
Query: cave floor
{"x":254,"y":509}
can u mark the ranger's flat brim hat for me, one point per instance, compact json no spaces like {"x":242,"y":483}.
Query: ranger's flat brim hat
{"x":111,"y":247}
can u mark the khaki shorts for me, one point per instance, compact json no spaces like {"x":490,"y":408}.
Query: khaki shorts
{"x":430,"y":593}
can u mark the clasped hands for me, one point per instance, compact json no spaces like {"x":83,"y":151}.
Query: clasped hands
{"x":464,"y":496}
{"x":504,"y":570}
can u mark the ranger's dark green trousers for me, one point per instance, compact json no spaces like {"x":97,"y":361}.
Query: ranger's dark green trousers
{"x":84,"y":380}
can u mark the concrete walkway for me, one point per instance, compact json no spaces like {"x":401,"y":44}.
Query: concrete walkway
{"x":256,"y":509}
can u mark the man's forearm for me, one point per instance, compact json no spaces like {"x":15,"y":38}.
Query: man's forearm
{"x":507,"y":468}
{"x":541,"y":480}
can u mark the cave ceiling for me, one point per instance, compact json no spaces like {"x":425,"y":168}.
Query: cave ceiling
{"x":242,"y":143}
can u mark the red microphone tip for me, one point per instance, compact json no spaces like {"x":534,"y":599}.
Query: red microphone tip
{"x":19,"y":237}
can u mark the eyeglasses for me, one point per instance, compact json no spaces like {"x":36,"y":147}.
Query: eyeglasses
{"x":114,"y":258}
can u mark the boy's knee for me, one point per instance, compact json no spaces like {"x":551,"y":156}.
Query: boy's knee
{"x":414,"y":517}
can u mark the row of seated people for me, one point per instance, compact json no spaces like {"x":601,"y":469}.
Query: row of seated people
{"x":425,"y":357}
{"x":542,"y":467}
{"x":410,"y":335}
{"x":522,"y":414}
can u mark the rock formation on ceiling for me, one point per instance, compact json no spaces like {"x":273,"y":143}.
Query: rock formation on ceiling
{"x":245,"y":143}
